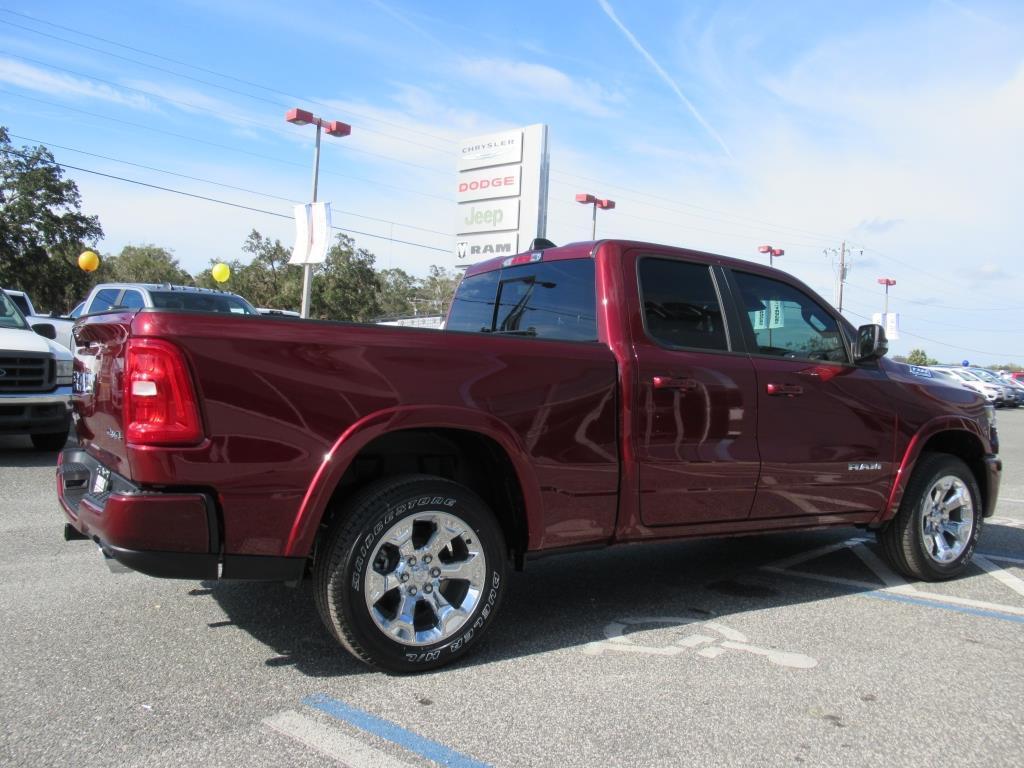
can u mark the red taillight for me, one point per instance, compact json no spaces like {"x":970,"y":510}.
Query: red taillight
{"x":160,"y":403}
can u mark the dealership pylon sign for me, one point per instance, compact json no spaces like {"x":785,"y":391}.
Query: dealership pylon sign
{"x":502,"y":193}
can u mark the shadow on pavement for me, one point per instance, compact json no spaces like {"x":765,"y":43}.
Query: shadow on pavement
{"x":566,"y":601}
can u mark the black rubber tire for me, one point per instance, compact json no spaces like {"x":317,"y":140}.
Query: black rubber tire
{"x":342,"y":561}
{"x":50,"y":441}
{"x":902,"y":539}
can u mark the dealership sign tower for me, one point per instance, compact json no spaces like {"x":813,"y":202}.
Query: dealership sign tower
{"x":502,"y":192}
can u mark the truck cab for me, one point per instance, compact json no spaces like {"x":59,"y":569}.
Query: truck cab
{"x":35,"y":380}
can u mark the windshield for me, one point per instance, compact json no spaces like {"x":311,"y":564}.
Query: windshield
{"x":966,"y":375}
{"x":202,"y":302}
{"x":10,"y":316}
{"x":984,"y":375}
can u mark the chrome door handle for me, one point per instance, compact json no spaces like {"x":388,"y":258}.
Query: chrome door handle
{"x":670,"y":382}
{"x":784,"y":390}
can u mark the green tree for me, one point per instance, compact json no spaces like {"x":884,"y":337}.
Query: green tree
{"x":438,"y":288}
{"x":267,"y":280}
{"x":397,"y":291}
{"x":146,"y":264}
{"x":920,"y":357}
{"x":42,"y":227}
{"x":346,"y":286}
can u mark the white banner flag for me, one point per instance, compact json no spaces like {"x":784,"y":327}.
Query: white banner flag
{"x":312,"y":233}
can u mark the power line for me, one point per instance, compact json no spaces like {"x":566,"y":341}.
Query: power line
{"x":228,"y":147}
{"x":243,"y":118}
{"x":231,"y":77}
{"x":229,"y":203}
{"x":944,"y":343}
{"x":860,"y":287}
{"x":732,"y":217}
{"x":226,"y":186}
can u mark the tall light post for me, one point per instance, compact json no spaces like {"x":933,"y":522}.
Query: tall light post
{"x":886,"y":281}
{"x":772,"y":253}
{"x":604,"y":205}
{"x":333,"y":128}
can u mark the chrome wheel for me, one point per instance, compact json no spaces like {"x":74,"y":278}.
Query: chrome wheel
{"x":946,"y":519}
{"x":425,"y":578}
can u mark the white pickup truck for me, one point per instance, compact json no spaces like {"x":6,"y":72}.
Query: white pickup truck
{"x":35,"y":380}
{"x":61,"y":325}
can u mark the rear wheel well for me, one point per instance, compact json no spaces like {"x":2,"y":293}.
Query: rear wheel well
{"x":468,"y":458}
{"x":966,"y":447}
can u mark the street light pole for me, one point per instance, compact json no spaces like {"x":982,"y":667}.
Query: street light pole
{"x":772,"y":253}
{"x":886,"y":281}
{"x":307,"y":268}
{"x":604,"y":205}
{"x":334,"y":128}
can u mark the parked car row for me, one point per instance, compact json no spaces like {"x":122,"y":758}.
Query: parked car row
{"x":36,"y":361}
{"x":1002,"y":392}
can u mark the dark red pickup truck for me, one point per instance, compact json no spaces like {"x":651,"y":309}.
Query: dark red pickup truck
{"x":583,"y":396}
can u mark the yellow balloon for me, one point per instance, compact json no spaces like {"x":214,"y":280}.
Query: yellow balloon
{"x":88,"y":261}
{"x":221,"y":272}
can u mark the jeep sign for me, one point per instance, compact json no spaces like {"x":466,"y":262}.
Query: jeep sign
{"x":489,"y":216}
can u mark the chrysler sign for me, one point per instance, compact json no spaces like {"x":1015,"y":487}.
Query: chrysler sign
{"x":497,"y":149}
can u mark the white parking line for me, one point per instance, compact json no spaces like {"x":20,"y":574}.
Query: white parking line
{"x":896,"y":584}
{"x":1000,"y":575}
{"x":329,"y":741}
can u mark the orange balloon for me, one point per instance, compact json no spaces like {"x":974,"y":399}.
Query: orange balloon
{"x":88,"y":261}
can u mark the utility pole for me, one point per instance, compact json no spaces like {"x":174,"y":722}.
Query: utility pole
{"x":842,"y":274}
{"x":842,"y":271}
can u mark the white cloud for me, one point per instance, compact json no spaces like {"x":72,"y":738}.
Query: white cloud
{"x":39,"y":80}
{"x":537,"y":82}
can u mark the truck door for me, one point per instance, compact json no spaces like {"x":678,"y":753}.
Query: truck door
{"x":694,"y":420}
{"x":825,"y":427}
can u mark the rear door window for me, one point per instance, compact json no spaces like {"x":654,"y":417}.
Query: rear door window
{"x":680,"y":304}
{"x":552,"y":300}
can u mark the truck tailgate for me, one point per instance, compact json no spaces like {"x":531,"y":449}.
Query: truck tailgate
{"x":99,"y":388}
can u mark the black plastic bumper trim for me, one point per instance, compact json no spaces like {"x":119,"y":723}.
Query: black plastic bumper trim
{"x":166,"y":565}
{"x":262,"y":568}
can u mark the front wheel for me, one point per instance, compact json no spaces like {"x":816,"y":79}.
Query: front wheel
{"x":935,"y":532}
{"x":412,"y":574}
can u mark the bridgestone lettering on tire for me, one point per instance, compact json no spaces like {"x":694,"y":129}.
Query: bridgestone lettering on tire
{"x":935,"y":532}
{"x":412,"y":574}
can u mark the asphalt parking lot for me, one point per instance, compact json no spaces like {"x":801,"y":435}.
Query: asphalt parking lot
{"x":776,"y":650}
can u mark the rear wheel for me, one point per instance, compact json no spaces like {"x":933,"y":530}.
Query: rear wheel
{"x":412,"y":574}
{"x":935,"y":532}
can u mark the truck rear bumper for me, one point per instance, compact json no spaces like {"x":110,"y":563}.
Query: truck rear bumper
{"x":166,"y":534}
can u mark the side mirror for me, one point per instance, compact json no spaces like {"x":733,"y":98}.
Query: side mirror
{"x":46,"y":330}
{"x":871,"y":343}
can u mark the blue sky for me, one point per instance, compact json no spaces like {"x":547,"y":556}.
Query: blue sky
{"x":720,"y":126}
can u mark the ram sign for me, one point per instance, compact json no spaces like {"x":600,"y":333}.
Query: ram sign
{"x":502,"y":190}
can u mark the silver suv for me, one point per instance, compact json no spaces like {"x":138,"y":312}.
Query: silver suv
{"x":107,"y":296}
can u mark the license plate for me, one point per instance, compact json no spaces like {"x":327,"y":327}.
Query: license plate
{"x":101,"y":481}
{"x":83,"y":382}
